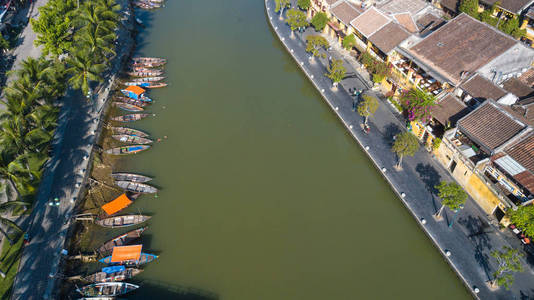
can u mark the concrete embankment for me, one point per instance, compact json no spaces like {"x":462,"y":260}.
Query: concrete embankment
{"x":80,"y":125}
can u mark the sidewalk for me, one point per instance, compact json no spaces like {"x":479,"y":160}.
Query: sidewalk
{"x":64,"y":178}
{"x":471,"y":238}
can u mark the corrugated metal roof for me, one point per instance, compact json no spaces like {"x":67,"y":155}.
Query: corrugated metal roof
{"x":511,"y":166}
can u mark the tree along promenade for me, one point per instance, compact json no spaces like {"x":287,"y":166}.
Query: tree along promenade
{"x":79,"y":126}
{"x":466,"y":245}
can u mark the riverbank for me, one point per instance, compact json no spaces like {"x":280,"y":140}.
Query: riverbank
{"x":80,"y":124}
{"x":466,"y":245}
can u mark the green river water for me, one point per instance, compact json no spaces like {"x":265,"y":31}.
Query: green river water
{"x":263,"y":195}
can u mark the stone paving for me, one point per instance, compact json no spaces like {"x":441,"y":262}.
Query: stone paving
{"x":472,"y":236}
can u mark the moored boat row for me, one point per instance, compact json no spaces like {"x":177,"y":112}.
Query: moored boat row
{"x":121,"y":255}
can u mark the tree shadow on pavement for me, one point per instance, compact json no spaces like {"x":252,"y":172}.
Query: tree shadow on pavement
{"x":477,"y":231}
{"x":429,"y":175}
{"x":390,"y":131}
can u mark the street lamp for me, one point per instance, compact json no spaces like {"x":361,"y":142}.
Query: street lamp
{"x":455,"y":215}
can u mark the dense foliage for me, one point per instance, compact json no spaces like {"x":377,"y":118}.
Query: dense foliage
{"x":336,"y":71}
{"x":85,"y":34}
{"x":509,"y":262}
{"x":367,"y":107}
{"x":452,"y":195}
{"x":296,"y":19}
{"x":304,"y":4}
{"x":349,"y":41}
{"x":314,"y":43}
{"x":405,"y":144}
{"x":319,"y":21}
{"x":418,"y":104}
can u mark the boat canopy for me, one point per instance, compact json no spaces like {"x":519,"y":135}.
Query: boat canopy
{"x":116,"y":205}
{"x":114,"y":269}
{"x":122,"y":253}
{"x":134,"y":91}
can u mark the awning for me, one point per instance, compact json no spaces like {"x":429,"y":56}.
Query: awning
{"x":123,"y":253}
{"x":114,"y":269}
{"x":135,"y":89}
{"x":116,"y":205}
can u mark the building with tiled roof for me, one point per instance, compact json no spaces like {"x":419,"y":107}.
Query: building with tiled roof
{"x":370,"y":22}
{"x":480,"y":89}
{"x":407,"y":21}
{"x":389,"y":37}
{"x":491,"y":127}
{"x":465,"y":45}
{"x":513,"y":169}
{"x":448,"y":110}
{"x":345,"y":12}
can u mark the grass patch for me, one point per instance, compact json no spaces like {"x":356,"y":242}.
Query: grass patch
{"x":9,"y":264}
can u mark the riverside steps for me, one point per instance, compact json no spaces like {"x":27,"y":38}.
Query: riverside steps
{"x":466,"y":245}
{"x":80,"y":124}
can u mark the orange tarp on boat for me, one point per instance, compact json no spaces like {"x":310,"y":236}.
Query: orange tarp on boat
{"x":116,"y":205}
{"x":135,"y":89}
{"x":123,"y":253}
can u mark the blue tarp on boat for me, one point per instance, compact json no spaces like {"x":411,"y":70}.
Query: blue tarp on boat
{"x":114,"y":269}
{"x":135,"y":148}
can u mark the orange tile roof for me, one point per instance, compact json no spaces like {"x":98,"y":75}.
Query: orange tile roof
{"x":116,"y":205}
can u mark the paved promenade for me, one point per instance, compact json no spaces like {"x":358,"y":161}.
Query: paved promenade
{"x":78,"y":129}
{"x":472,"y":237}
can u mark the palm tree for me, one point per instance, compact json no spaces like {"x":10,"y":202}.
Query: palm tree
{"x":96,"y":41}
{"x":83,"y":70}
{"x":98,"y":15}
{"x":4,"y":209}
{"x":15,"y":173}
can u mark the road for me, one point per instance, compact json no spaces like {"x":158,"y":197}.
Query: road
{"x":472,"y":237}
{"x":64,"y":178}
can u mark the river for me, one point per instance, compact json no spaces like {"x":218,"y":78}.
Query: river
{"x":264,"y":194}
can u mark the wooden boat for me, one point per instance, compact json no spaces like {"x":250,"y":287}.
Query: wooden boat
{"x":149,"y":59}
{"x":128,"y":107}
{"x":107,"y":289}
{"x":131,"y":101}
{"x":127,"y":149}
{"x":122,"y":221}
{"x":130,"y":117}
{"x":123,"y":239}
{"x":136,"y":187}
{"x":144,"y":259}
{"x":148,"y":85}
{"x":130,"y":177}
{"x":131,"y":139}
{"x":148,"y":79}
{"x":147,"y":64}
{"x":142,"y":97}
{"x":129,"y":131}
{"x":144,"y":73}
{"x":121,"y":274}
